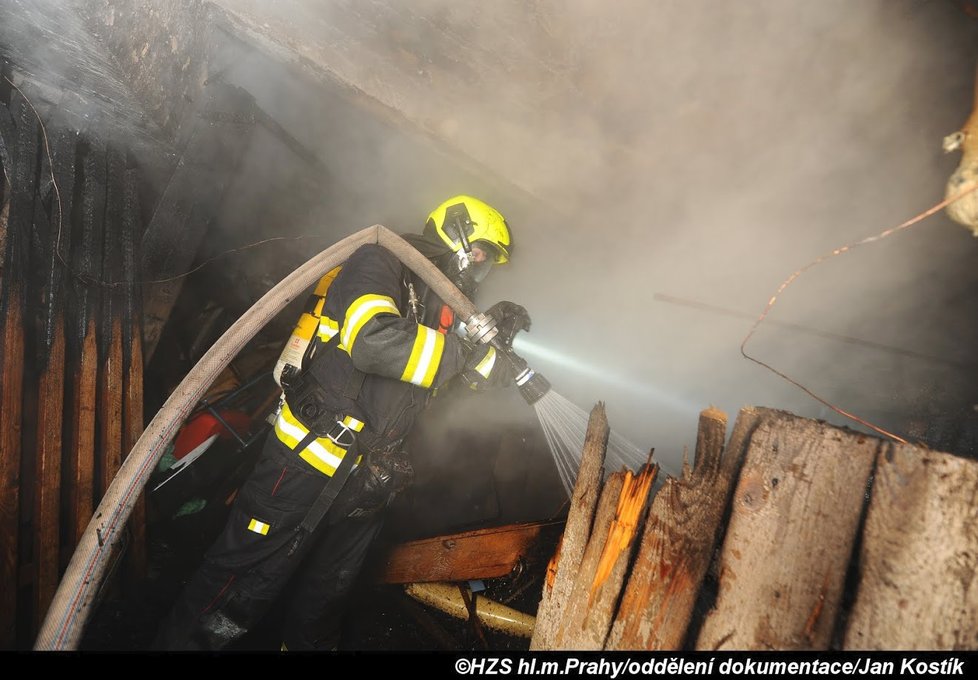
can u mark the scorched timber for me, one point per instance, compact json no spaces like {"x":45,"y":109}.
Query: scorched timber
{"x":82,"y":350}
{"x":18,"y":210}
{"x":109,"y":437}
{"x":132,"y":357}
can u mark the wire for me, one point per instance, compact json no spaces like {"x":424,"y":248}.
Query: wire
{"x":47,"y":149}
{"x":840,"y":251}
{"x":92,"y":281}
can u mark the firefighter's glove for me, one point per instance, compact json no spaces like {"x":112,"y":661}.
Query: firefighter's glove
{"x":487,"y":368}
{"x":511,"y":318}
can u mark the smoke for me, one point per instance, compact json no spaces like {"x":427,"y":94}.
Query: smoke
{"x":694,"y":150}
{"x":690,"y":149}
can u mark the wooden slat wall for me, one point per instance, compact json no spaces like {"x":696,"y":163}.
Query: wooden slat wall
{"x":61,"y":331}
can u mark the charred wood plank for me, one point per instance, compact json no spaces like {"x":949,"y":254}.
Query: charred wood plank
{"x":51,"y":347}
{"x":50,"y":361}
{"x":485,"y":553}
{"x":677,"y":546}
{"x":918,"y":562}
{"x":109,"y":329}
{"x":7,"y":136}
{"x":190,"y":202}
{"x":82,"y":372}
{"x":17,"y":220}
{"x":132,"y":357}
{"x":794,"y":519}
{"x":577,"y":531}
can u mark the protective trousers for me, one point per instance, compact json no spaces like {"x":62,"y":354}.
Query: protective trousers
{"x":249,"y":565}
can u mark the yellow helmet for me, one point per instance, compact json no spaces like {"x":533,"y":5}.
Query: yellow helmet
{"x":462,"y":220}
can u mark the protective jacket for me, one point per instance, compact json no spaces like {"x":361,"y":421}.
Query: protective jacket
{"x":373,"y":360}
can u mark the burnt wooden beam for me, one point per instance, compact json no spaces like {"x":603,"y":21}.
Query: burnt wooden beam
{"x":50,"y":363}
{"x":919,"y":555}
{"x":577,"y":531}
{"x":794,"y":519}
{"x":17,"y":220}
{"x":109,"y":329}
{"x":132,"y":358}
{"x":82,"y":372}
{"x":485,"y":553}
{"x":191,"y":200}
{"x":683,"y":525}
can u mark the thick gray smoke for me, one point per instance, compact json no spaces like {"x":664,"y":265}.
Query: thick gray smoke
{"x":664,"y":166}
{"x":697,"y":151}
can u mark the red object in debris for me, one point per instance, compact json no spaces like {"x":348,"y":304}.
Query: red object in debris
{"x":204,"y":426}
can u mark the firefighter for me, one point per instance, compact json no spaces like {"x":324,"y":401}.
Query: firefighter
{"x":335,"y":458}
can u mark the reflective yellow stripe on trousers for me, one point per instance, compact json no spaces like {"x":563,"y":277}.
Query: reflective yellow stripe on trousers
{"x":322,"y":453}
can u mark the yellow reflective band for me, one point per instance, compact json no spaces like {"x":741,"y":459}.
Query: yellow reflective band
{"x":325,"y":456}
{"x":322,"y":453}
{"x":353,"y":423}
{"x":488,"y":361}
{"x":258,"y":527}
{"x":429,"y":345}
{"x":363,"y":309}
{"x":327,"y":328}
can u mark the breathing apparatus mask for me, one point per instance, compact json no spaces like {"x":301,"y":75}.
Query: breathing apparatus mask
{"x":468,"y":266}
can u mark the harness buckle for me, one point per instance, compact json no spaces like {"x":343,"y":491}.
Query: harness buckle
{"x":340,"y":438}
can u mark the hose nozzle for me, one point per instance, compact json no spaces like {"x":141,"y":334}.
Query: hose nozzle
{"x":532,"y":385}
{"x":481,"y":328}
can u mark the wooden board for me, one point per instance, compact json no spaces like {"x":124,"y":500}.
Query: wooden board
{"x":918,"y":564}
{"x":132,"y":371}
{"x":486,"y":553}
{"x":11,"y":378}
{"x":573,"y":632}
{"x":18,"y":212}
{"x":109,"y":331}
{"x":577,"y":531}
{"x":794,"y":519}
{"x":82,"y":362}
{"x":47,"y":463}
{"x":680,"y":533}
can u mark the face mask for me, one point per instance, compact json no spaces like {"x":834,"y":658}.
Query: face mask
{"x":466,"y":274}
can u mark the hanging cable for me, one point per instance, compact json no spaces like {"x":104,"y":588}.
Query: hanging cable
{"x":839,"y":251}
